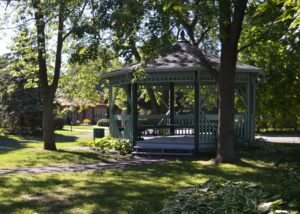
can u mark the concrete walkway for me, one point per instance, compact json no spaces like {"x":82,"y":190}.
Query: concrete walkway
{"x":279,"y":139}
{"x":82,"y":167}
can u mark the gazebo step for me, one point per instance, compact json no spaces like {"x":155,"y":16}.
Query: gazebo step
{"x":164,"y":146}
{"x":161,"y":153}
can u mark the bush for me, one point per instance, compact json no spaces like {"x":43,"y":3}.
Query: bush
{"x":110,"y":144}
{"x":87,"y":121}
{"x":59,"y":123}
{"x":103,"y":122}
{"x":222,"y":197}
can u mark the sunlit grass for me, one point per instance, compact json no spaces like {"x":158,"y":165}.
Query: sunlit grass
{"x":16,"y":151}
{"x":143,"y":189}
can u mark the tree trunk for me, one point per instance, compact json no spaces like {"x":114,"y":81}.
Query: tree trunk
{"x":48,"y":124}
{"x":226,"y":83}
{"x":155,"y":109}
{"x":226,"y":148}
{"x":231,"y":20}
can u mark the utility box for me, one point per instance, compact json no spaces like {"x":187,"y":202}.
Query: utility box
{"x":98,"y":133}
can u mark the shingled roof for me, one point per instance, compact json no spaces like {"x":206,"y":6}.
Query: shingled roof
{"x":182,"y":56}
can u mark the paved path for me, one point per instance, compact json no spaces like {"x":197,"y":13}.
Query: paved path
{"x":82,"y":167}
{"x":280,"y":139}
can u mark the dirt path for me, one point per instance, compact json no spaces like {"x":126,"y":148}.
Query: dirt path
{"x":82,"y":167}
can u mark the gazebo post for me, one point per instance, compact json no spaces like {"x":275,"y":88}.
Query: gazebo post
{"x":197,"y":111}
{"x":253,"y":108}
{"x":129,"y":99}
{"x":134,"y":112}
{"x":110,"y":111}
{"x":171,"y":103}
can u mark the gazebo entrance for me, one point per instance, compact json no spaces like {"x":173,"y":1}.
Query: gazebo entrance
{"x":187,"y":119}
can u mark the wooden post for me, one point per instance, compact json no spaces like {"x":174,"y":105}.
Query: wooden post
{"x":253,"y":108}
{"x":197,"y":111}
{"x":110,"y":111}
{"x":129,"y":99}
{"x":248,"y":121}
{"x":134,"y":112}
{"x":171,"y":104}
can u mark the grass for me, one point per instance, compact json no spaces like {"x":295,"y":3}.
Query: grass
{"x":16,"y":151}
{"x":143,"y":189}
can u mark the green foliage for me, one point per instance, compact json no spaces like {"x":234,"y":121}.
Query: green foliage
{"x":110,"y":144}
{"x":59,"y":123}
{"x":79,"y":81}
{"x":139,"y":73}
{"x":20,"y":107}
{"x":274,"y":50}
{"x":103,"y":122}
{"x":220,"y":196}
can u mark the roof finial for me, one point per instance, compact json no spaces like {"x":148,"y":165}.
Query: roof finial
{"x":181,"y":36}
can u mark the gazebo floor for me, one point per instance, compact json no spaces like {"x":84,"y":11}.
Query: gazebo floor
{"x":165,"y":145}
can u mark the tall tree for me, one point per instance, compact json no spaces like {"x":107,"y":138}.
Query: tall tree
{"x":59,"y":18}
{"x":231,"y":15}
{"x":48,"y":89}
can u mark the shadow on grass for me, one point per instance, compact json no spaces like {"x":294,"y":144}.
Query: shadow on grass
{"x":133,"y":190}
{"x":143,"y":189}
{"x":9,"y":143}
{"x":65,"y":138}
{"x":280,"y":133}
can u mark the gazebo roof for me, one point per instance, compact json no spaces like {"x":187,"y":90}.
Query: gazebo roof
{"x":182,"y":57}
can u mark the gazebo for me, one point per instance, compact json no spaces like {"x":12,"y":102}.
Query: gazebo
{"x":187,"y":123}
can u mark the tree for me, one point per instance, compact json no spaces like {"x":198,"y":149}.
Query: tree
{"x":50,"y":17}
{"x":274,"y":47}
{"x":20,"y":105}
{"x":79,"y":81}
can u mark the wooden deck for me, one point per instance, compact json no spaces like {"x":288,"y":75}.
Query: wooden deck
{"x":165,"y":145}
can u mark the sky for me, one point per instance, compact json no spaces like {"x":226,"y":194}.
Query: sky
{"x":5,"y":41}
{"x":5,"y":33}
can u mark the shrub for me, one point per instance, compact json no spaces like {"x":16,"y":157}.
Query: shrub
{"x":103,"y":122}
{"x":222,"y":197}
{"x":59,"y":123}
{"x":87,"y":121}
{"x":110,"y":144}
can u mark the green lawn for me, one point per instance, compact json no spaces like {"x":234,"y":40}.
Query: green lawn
{"x":19,"y":152}
{"x":143,"y":189}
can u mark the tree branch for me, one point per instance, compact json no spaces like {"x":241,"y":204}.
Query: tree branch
{"x":59,"y":45}
{"x":237,"y":21}
{"x":254,"y":41}
{"x":205,"y":63}
{"x":79,"y":16}
{"x":203,"y":34}
{"x":40,"y":26}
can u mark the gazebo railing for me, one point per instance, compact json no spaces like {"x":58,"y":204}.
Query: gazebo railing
{"x":160,"y":125}
{"x":183,"y":125}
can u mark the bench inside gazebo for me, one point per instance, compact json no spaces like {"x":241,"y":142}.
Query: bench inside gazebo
{"x":187,"y":120}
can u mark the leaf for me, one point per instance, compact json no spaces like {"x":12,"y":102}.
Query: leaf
{"x":267,"y":206}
